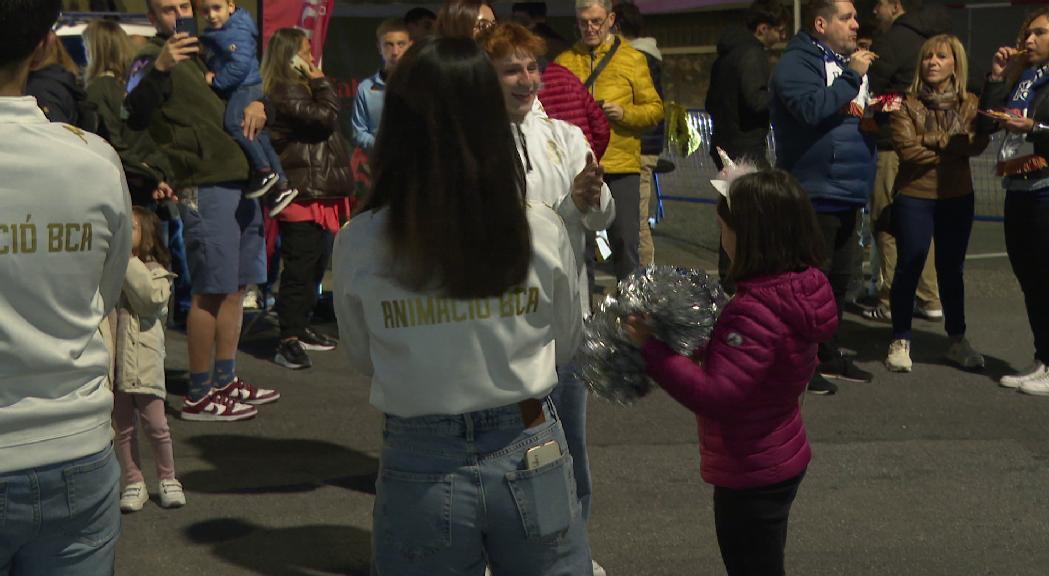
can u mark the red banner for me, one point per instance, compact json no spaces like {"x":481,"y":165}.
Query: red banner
{"x":312,"y":16}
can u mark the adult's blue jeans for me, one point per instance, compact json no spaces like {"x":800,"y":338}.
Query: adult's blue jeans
{"x":917,"y":221}
{"x":570,"y":398}
{"x":259,"y":151}
{"x":62,"y":519}
{"x":455,"y":493}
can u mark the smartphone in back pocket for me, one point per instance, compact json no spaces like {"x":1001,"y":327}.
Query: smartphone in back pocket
{"x":187,"y":25}
{"x":539,"y":456}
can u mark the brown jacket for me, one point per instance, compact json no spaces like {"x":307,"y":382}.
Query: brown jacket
{"x":305,"y":132}
{"x":934,"y":148}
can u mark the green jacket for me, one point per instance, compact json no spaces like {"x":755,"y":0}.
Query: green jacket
{"x":184,"y":117}
{"x":135,"y":147}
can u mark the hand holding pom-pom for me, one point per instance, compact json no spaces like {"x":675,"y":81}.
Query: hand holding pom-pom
{"x":677,"y":306}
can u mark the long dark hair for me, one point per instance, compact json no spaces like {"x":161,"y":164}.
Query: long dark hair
{"x":446,"y":168}
{"x":152,"y":248}
{"x":775,"y":226}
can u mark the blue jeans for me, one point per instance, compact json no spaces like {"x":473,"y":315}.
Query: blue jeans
{"x":916,"y":222}
{"x":62,"y":519}
{"x":569,"y":397}
{"x":259,"y":151}
{"x":454,"y":493}
{"x":182,"y":284}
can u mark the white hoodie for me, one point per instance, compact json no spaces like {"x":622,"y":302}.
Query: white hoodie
{"x":553,"y":152}
{"x":65,"y":240}
{"x":432,"y":355}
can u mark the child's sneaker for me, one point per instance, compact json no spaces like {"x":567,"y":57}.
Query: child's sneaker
{"x":215,"y":407}
{"x":899,"y":358}
{"x":133,"y":497}
{"x":279,"y":199}
{"x":171,"y":494}
{"x":259,"y":184}
{"x":241,"y":391}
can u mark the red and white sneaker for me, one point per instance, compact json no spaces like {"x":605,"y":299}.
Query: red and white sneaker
{"x":241,"y":391}
{"x":216,"y":408}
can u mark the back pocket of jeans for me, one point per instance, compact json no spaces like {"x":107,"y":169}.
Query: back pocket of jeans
{"x":546,"y":498}
{"x":413,"y":515}
{"x":91,"y":491}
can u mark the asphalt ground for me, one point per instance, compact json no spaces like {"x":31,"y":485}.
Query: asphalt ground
{"x":929,"y":473}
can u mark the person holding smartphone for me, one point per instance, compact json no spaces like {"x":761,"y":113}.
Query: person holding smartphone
{"x":306,"y":134}
{"x":169,"y":96}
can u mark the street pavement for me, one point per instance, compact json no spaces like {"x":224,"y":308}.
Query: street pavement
{"x":937,"y":472}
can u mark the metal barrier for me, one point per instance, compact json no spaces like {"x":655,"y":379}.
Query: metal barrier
{"x":690,"y":180}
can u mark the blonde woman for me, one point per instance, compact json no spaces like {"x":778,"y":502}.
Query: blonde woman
{"x":934,"y":134}
{"x":109,"y":53}
{"x":305,"y":133}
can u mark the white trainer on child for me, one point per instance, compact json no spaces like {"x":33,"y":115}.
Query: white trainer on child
{"x":171,"y":494}
{"x":133,"y":497}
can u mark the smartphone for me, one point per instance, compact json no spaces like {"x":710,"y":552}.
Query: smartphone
{"x":540,"y":456}
{"x":300,"y":64}
{"x":186,"y":25}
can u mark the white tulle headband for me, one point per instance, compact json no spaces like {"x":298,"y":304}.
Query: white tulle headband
{"x":731,"y":171}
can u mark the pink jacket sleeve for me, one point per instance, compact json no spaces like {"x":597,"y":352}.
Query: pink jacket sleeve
{"x":737,"y":361}
{"x":599,"y":129}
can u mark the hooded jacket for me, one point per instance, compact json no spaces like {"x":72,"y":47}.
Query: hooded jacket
{"x":57,"y":92}
{"x":232,"y":53}
{"x":757,"y":365}
{"x":817,"y":140}
{"x":738,"y":97}
{"x":140,"y":347}
{"x":627,"y":82}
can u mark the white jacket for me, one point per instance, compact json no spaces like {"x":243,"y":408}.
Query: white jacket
{"x":553,"y":153}
{"x":65,"y":239}
{"x":432,"y":355}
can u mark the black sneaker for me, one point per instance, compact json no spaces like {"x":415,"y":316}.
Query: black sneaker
{"x":821,"y":386}
{"x":291,"y":354}
{"x":278,"y":199}
{"x":317,"y":341}
{"x":842,"y":368}
{"x":259,"y":184}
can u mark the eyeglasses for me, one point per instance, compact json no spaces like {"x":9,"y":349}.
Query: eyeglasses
{"x":483,"y":24}
{"x":597,"y":23}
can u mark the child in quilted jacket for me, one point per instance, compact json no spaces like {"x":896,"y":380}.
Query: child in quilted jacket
{"x":139,"y":372}
{"x":231,"y":39}
{"x":747,"y":384}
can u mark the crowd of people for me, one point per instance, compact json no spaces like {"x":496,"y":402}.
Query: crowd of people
{"x":504,"y":161}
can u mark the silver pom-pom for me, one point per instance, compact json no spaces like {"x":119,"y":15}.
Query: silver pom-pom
{"x":682,"y":306}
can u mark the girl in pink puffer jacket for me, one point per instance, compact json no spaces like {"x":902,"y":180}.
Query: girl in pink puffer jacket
{"x":746,"y":388}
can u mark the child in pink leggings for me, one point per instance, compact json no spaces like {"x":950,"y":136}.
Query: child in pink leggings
{"x":139,"y":372}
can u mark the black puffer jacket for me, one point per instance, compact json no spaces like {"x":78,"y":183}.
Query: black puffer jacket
{"x":738,"y":98}
{"x":305,"y":132}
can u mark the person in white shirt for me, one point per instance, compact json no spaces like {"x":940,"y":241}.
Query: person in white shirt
{"x":561,"y":172}
{"x":458,"y":298}
{"x":65,"y":241}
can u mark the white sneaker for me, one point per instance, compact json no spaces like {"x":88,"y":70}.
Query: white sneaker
{"x":1033,"y":370}
{"x":1037,"y":386}
{"x":133,"y":497}
{"x":171,"y":494}
{"x":598,"y":570}
{"x":899,"y":358}
{"x":962,"y":354}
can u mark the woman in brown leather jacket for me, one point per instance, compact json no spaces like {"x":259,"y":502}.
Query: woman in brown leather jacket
{"x":305,"y":132}
{"x":934,"y":133}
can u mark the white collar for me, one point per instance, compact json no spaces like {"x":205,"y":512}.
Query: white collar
{"x":21,"y":110}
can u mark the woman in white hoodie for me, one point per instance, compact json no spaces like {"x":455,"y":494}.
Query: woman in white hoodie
{"x":458,"y":298}
{"x":562,"y":173}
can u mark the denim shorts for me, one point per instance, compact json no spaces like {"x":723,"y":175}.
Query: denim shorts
{"x":225,"y":245}
{"x":454,"y":493}
{"x":62,"y":519}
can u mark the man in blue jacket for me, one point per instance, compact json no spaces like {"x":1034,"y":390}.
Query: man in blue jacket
{"x":819,"y":94}
{"x":394,"y":40}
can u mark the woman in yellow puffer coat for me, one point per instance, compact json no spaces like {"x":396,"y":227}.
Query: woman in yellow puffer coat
{"x":625,"y":91}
